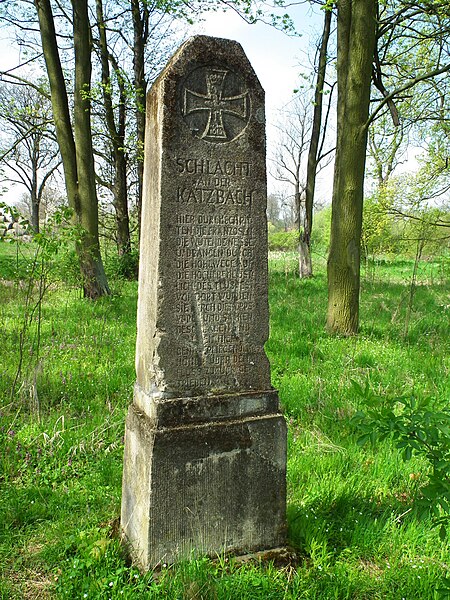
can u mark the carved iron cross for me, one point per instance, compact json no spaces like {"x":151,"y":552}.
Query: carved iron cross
{"x":216,"y":104}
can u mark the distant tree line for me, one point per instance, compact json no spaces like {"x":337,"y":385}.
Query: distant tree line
{"x":88,"y":113}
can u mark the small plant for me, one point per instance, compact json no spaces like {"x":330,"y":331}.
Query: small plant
{"x":417,"y":426}
{"x":94,"y":568}
{"x":40,"y":273}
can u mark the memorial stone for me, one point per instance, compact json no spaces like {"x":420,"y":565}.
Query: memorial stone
{"x":205,"y":443}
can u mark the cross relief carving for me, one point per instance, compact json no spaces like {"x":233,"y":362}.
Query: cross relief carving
{"x":215,"y":105}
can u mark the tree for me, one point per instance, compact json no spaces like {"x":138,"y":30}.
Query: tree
{"x":75,"y":143}
{"x":290,"y":153}
{"x":301,"y":148}
{"x":134,"y":40}
{"x":29,"y":150}
{"x":400,"y":46}
{"x":140,"y":18}
{"x":315,"y":149}
{"x":379,"y":234}
{"x":386,"y":147}
{"x":356,"y":31}
{"x":116,"y":136}
{"x":403,"y":207}
{"x":115,"y":156}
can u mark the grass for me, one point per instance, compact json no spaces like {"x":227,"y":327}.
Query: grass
{"x":351,"y":511}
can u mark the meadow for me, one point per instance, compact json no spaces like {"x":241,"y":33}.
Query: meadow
{"x":66,"y":379}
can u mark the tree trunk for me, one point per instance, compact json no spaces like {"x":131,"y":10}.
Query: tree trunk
{"x":305,"y":262}
{"x":304,"y":258}
{"x":76,"y":144}
{"x":121,"y":187}
{"x":117,"y":137}
{"x":94,"y":277}
{"x":34,"y":199}
{"x":121,"y":207}
{"x":34,"y":213}
{"x":140,"y":28}
{"x":356,"y":45}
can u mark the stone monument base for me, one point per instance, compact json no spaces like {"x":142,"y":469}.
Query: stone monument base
{"x":203,"y":486}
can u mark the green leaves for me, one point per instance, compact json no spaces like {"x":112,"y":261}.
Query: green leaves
{"x":417,"y":426}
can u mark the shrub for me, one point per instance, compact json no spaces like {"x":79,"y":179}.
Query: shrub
{"x":417,"y":426}
{"x":283,"y":240}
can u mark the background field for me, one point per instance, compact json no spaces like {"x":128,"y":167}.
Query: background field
{"x":66,"y":378}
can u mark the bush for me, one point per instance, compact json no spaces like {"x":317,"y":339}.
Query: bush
{"x":417,"y":426}
{"x":122,"y":267}
{"x":283,"y":240}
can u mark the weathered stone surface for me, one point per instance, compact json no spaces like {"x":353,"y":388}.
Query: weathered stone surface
{"x":205,"y":444}
{"x":203,"y":328}
{"x":189,"y":410}
{"x":207,"y":489}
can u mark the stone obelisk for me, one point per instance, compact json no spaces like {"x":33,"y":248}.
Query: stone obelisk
{"x":205,"y":443}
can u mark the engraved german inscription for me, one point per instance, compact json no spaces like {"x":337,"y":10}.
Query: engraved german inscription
{"x":215,"y":260}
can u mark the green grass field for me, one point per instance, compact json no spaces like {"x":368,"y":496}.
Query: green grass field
{"x":66,"y":379}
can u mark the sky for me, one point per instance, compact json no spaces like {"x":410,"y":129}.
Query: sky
{"x":278,"y":59}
